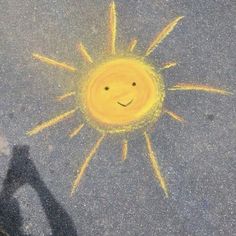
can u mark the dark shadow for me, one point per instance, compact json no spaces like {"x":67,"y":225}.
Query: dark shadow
{"x":23,"y":171}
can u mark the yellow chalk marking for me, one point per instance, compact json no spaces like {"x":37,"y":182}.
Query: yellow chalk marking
{"x":85,"y":164}
{"x":112,"y":28}
{"x":155,"y":165}
{"x":132,"y":45}
{"x":168,"y":65}
{"x":51,"y":122}
{"x":124,"y":149}
{"x":199,"y":87}
{"x":84,"y":53}
{"x":65,"y":96}
{"x":162,"y":35}
{"x":174,"y":116}
{"x":76,"y":131}
{"x":54,"y":63}
{"x":122,"y":94}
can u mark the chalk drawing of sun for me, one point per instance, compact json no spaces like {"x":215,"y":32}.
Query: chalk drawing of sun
{"x":121,"y":95}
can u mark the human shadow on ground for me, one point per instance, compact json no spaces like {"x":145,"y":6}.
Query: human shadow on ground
{"x":23,"y":171}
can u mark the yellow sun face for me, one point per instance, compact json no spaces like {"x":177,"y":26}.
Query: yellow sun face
{"x":122,"y":94}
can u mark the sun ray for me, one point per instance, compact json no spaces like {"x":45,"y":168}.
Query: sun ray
{"x":132,"y":45}
{"x":199,"y":87}
{"x":174,"y":116}
{"x":65,"y":96}
{"x":51,"y":122}
{"x":168,"y":65}
{"x":124,"y":149}
{"x":112,"y":27}
{"x":85,"y":164}
{"x":155,"y":165}
{"x":162,"y":35}
{"x":76,"y":131}
{"x":54,"y":63}
{"x":84,"y":53}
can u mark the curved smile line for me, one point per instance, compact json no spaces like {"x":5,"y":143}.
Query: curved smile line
{"x":125,"y":105}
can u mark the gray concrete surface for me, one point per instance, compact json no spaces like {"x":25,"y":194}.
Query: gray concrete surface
{"x":116,"y":198}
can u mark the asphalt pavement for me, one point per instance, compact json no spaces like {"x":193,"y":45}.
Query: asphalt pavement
{"x":117,"y":198}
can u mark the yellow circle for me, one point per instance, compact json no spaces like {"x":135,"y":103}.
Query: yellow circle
{"x":122,"y":94}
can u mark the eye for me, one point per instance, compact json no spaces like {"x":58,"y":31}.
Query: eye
{"x":106,"y":88}
{"x":133,"y":84}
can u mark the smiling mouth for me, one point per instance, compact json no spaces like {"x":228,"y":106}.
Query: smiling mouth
{"x":125,"y":105}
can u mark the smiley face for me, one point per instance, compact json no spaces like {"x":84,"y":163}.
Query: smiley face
{"x":122,"y":94}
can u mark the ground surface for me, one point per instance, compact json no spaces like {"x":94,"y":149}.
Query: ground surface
{"x":116,"y":198}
